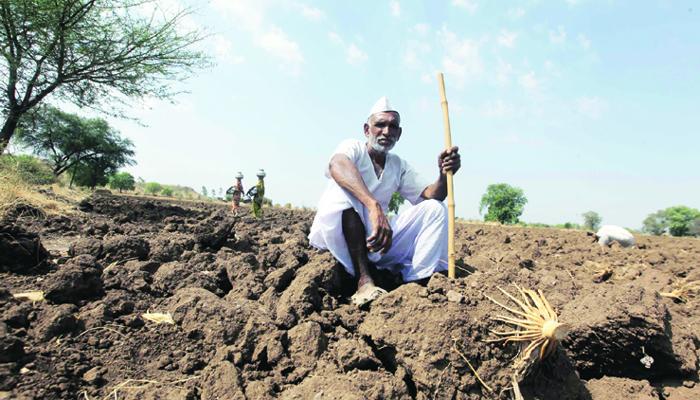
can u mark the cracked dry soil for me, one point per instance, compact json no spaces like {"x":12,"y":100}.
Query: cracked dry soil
{"x":260,"y":315}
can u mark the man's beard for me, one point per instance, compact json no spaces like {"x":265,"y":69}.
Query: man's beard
{"x":374,"y":144}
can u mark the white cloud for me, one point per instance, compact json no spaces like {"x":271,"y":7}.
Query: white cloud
{"x":395,"y":8}
{"x":516,"y":12}
{"x":469,"y":5}
{"x":355,"y":56}
{"x":310,"y":13}
{"x":591,"y":107}
{"x":507,"y":38}
{"x":223,"y":50}
{"x":250,"y":16}
{"x":462,"y":57}
{"x":276,"y":42}
{"x":529,"y":81}
{"x":558,"y":36}
{"x":415,"y":53}
{"x":421,"y":29}
{"x":584,"y":41}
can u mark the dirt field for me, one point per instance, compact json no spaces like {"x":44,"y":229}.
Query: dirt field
{"x":258,"y":314}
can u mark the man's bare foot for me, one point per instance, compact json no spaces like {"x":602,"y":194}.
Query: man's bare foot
{"x":366,"y":294}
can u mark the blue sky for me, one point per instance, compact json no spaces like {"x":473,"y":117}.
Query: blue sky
{"x":585,"y":105}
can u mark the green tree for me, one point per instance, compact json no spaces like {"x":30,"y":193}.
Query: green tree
{"x":503,"y":203}
{"x":152,"y":188}
{"x":167,"y":192}
{"x":655,"y":223}
{"x":204,"y":191}
{"x":591,"y":220}
{"x":395,"y":202}
{"x":122,"y":181}
{"x":93,"y":53}
{"x":695,"y":227}
{"x":66,"y":139}
{"x":681,"y":219}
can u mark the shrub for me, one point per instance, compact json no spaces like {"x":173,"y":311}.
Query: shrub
{"x":152,"y":188}
{"x":166,"y":191}
{"x":29,"y":169}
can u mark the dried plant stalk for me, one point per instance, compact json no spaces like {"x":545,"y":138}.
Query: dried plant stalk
{"x":158,"y":318}
{"x":535,"y":321}
{"x":682,"y":290}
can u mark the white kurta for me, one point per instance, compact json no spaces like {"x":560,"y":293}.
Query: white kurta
{"x":419,"y":245}
{"x":610,"y":233}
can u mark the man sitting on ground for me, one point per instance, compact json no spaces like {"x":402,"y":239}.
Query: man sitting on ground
{"x":351,"y":219}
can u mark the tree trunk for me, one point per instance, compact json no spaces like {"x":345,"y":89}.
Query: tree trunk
{"x":8,"y":129}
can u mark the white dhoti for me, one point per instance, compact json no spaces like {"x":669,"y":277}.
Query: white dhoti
{"x":419,"y":242}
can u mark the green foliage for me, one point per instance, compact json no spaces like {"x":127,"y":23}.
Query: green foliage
{"x":655,"y":223}
{"x":395,"y":202}
{"x":166,"y":191}
{"x":152,"y":188}
{"x":28,"y":168}
{"x":677,"y":220}
{"x":93,"y":53}
{"x":504,"y":203}
{"x":204,"y":191}
{"x":67,"y":140}
{"x":122,"y":181}
{"x":695,"y":227}
{"x":680,"y":219}
{"x":591,"y":220}
{"x":90,"y":174}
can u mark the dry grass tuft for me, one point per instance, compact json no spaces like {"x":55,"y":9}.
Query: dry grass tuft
{"x":19,"y":197}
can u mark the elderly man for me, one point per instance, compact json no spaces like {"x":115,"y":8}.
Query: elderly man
{"x":351,"y":220}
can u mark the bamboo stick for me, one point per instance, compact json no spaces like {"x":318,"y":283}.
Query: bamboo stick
{"x":450,"y":187}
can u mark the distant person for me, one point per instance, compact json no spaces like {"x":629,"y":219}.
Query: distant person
{"x":352,"y":222}
{"x":236,"y":192}
{"x":256,"y":194}
{"x":607,"y":234}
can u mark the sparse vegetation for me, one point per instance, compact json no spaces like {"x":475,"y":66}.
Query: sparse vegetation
{"x":29,"y":169}
{"x":395,"y":202}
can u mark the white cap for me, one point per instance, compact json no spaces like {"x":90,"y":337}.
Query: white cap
{"x":382,"y":105}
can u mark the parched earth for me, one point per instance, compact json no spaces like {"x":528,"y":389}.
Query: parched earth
{"x":258,"y":314}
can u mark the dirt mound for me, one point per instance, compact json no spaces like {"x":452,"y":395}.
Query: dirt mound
{"x":257,"y":314}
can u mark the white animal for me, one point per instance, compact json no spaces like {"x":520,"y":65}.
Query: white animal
{"x":612,"y":233}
